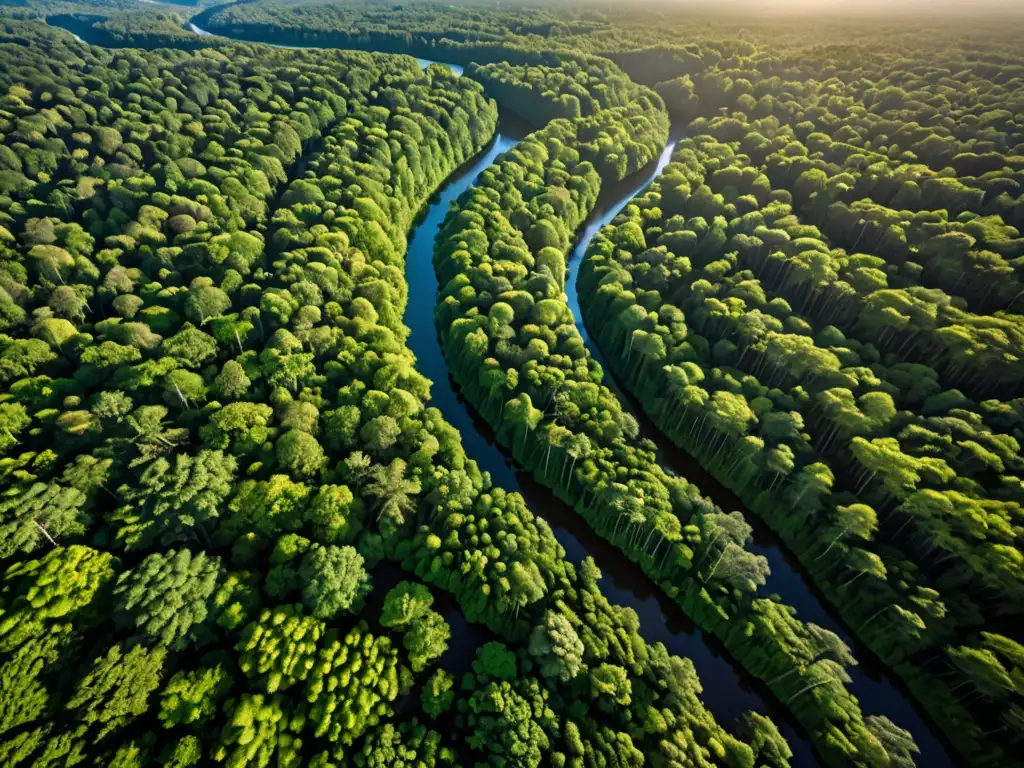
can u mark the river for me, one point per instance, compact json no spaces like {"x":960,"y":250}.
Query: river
{"x":728,"y":689}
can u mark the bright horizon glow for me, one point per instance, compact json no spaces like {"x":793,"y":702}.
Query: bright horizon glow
{"x":894,"y":8}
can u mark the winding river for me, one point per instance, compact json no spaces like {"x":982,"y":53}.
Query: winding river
{"x":728,"y":689}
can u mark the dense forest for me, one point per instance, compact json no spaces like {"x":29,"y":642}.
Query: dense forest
{"x":235,"y":529}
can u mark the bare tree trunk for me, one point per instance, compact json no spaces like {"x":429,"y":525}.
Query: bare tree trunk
{"x":44,"y":532}
{"x":829,"y":548}
{"x":873,"y":617}
{"x":811,"y":687}
{"x":855,"y":577}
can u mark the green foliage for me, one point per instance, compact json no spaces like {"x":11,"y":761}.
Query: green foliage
{"x":67,"y":584}
{"x":34,"y":515}
{"x":426,"y":640}
{"x":24,"y":694}
{"x":201,"y":307}
{"x":192,"y":696}
{"x":557,"y":648}
{"x":437,"y":695}
{"x":507,"y":719}
{"x":166,"y":597}
{"x":333,"y":580}
{"x":405,"y":603}
{"x":410,"y":745}
{"x":261,"y":729}
{"x":116,"y":689}
{"x":278,"y":648}
{"x":495,"y":660}
{"x":175,"y":502}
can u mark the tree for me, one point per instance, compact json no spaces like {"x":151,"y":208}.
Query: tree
{"x":183,"y":389}
{"x":24,"y":696}
{"x":380,"y":434}
{"x":66,"y":302}
{"x":166,"y":597}
{"x":981,"y":669}
{"x":898,"y":743}
{"x":404,"y":604}
{"x":426,"y":640}
{"x":610,"y":686}
{"x":409,"y":745}
{"x":393,"y":491}
{"x":183,"y":753}
{"x":770,"y":747}
{"x":556,"y":647}
{"x":260,"y":728}
{"x":111,"y":405}
{"x":522,"y":416}
{"x":191,"y":347}
{"x":335,"y":514}
{"x":231,"y":383}
{"x":116,"y":689}
{"x":505,"y":723}
{"x":349,"y":687}
{"x":205,"y":302}
{"x":263,"y":642}
{"x":495,"y":660}
{"x":857,"y":520}
{"x":265,"y":508}
{"x":42,"y":593}
{"x":174,"y":502}
{"x":334,"y":580}
{"x":14,"y":418}
{"x":39,"y":515}
{"x":300,"y":453}
{"x":192,"y":696}
{"x":437,"y":695}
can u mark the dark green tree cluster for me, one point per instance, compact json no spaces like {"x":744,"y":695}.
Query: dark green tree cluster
{"x":407,"y":610}
{"x":167,"y":349}
{"x":214,"y":431}
{"x":462,"y":33}
{"x":535,"y":707}
{"x":410,"y":745}
{"x":131,"y":27}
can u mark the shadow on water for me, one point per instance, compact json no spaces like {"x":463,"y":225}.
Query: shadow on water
{"x":880,"y":691}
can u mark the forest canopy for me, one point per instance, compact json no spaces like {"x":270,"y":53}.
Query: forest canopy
{"x":237,"y":531}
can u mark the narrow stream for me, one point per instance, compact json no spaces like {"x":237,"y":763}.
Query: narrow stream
{"x":879,"y":690}
{"x":728,"y":689}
